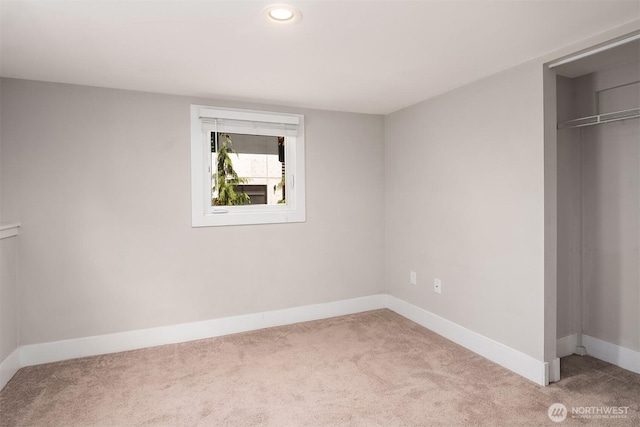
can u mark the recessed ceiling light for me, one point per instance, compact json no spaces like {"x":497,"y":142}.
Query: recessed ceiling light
{"x":282,"y":13}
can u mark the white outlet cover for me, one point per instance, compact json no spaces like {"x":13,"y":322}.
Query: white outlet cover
{"x":412,"y":277}
{"x":437,"y":286}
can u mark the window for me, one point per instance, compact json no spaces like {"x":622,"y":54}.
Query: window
{"x":247,"y":167}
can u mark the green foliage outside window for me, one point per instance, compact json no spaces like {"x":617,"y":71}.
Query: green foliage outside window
{"x":226,"y":178}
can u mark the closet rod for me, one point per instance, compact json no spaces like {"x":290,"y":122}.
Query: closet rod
{"x":601,"y":118}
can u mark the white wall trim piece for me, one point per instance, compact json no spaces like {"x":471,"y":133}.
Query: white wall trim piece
{"x":520,"y":363}
{"x":554,"y":371}
{"x":566,"y":346}
{"x":36,"y":354}
{"x":9,"y":367}
{"x":9,"y":230}
{"x":612,"y":353}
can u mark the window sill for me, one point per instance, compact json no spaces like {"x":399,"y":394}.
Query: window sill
{"x":223,"y":218}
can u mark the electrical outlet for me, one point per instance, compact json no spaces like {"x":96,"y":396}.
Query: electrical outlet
{"x":437,"y":286}
{"x":412,"y":277}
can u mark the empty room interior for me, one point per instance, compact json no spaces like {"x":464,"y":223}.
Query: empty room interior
{"x":319,"y":213}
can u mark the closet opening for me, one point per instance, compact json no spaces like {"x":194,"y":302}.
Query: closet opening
{"x":598,"y":203}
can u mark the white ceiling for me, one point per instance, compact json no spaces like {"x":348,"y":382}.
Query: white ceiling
{"x":361,"y":56}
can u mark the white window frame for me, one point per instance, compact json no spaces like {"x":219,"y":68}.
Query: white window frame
{"x":205,"y":215}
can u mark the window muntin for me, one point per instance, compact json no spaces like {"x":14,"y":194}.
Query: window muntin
{"x":251,"y":130}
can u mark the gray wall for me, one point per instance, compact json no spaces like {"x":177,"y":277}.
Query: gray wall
{"x":465,"y":203}
{"x":8,"y":297}
{"x":8,"y":285}
{"x":599,"y":199}
{"x":100,"y":181}
{"x":611,"y":233}
{"x":569,"y":215}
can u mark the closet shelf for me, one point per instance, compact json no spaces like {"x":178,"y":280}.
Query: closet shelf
{"x":601,"y":118}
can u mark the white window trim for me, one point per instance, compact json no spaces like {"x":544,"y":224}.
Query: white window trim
{"x":204,"y":215}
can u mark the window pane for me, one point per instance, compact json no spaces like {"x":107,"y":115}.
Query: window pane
{"x":247,"y":169}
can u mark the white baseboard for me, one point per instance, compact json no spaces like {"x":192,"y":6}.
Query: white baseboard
{"x":514,"y":360}
{"x":9,"y":367}
{"x":520,"y":363}
{"x":566,"y":346}
{"x":37,"y":354}
{"x":553,"y":373}
{"x":612,"y":353}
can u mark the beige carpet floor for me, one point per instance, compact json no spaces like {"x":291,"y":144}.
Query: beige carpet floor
{"x":369,"y":369}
